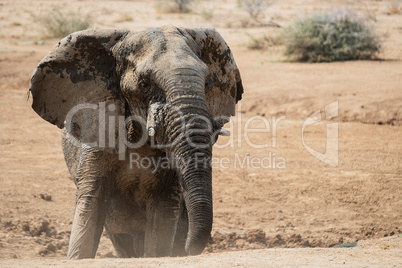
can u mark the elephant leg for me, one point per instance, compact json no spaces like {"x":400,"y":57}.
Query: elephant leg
{"x":127,"y":245}
{"x":123,"y":244}
{"x":90,"y":208}
{"x":181,"y":234}
{"x":160,"y":229}
{"x":87,"y":227}
{"x":139,"y":244}
{"x":125,"y":223}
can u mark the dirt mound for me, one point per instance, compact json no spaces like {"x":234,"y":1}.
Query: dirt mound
{"x":257,"y":239}
{"x":363,"y":108}
{"x":47,"y":240}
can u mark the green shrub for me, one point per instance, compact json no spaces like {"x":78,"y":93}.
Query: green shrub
{"x":338,"y":35}
{"x":58,"y":24}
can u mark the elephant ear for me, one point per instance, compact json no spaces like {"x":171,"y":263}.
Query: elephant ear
{"x":76,"y":86}
{"x":223,"y":86}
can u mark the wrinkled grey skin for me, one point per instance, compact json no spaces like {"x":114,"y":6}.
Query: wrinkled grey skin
{"x":167,"y":212}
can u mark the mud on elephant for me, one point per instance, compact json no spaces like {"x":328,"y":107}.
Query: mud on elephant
{"x":125,"y":100}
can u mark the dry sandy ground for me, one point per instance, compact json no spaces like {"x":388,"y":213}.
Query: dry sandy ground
{"x":300,"y":257}
{"x":297,"y":202}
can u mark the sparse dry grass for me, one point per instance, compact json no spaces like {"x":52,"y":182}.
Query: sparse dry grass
{"x":16,"y":24}
{"x":395,"y":7}
{"x":60,"y":24}
{"x":125,"y":18}
{"x":255,"y":8}
{"x":207,"y":14}
{"x":174,"y":6}
{"x":265,"y":42}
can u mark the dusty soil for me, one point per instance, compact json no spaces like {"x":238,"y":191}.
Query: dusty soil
{"x":296,"y":201}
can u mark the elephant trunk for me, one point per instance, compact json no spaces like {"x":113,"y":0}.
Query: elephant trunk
{"x":189,"y":130}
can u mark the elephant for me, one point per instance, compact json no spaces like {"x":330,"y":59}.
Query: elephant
{"x":125,"y":101}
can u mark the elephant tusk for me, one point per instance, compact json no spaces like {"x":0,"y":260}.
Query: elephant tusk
{"x":151,"y":120}
{"x":151,"y":131}
{"x":224,"y":132}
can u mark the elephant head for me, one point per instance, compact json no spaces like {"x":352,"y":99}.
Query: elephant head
{"x":181,"y":85}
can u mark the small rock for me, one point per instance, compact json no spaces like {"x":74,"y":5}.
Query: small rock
{"x":26,"y":227}
{"x":46,"y":197}
{"x":51,"y":248}
{"x":257,"y":236}
{"x":60,"y":245}
{"x":109,"y":255}
{"x":43,"y":252}
{"x":39,"y":229}
{"x":239,"y":243}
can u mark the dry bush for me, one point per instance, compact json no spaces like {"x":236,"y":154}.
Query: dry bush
{"x":264,"y":42}
{"x":254,"y":8}
{"x":174,"y":6}
{"x":182,"y":5}
{"x":207,"y":14}
{"x":59,"y":24}
{"x":338,"y":35}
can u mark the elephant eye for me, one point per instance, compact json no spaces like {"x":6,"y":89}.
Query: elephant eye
{"x":144,"y":84}
{"x":144,"y":81}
